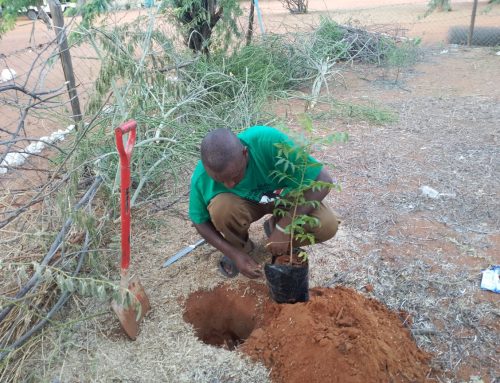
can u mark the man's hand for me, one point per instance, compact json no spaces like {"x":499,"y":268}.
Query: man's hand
{"x":247,"y":266}
{"x":278,"y":243}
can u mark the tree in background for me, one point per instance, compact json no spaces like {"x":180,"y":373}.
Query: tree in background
{"x":90,"y":10}
{"x":200,"y":17}
{"x":440,"y":5}
{"x":11,"y":9}
{"x":296,"y":6}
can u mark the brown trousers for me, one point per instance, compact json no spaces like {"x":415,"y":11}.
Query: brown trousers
{"x":232,"y":216}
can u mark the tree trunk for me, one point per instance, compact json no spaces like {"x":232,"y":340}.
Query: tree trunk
{"x":250,"y":23}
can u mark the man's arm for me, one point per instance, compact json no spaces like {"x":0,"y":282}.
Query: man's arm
{"x":279,"y":242}
{"x":245,"y":264}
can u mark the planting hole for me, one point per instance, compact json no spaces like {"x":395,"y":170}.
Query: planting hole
{"x":225,"y":316}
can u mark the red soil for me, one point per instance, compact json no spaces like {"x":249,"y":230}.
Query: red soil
{"x":338,"y":336}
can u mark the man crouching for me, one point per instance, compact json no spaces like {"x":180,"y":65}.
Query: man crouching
{"x":232,"y":186}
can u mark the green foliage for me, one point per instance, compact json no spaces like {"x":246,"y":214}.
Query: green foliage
{"x":292,"y":163}
{"x":173,"y":108}
{"x":269,"y":65}
{"x":296,"y":6}
{"x":11,"y":10}
{"x":440,"y":5}
{"x":371,"y":113}
{"x":100,"y":289}
{"x":402,"y":55}
{"x":200,"y":18}
{"x":89,"y":11}
{"x":328,"y":41}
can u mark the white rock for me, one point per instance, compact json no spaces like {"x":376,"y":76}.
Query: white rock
{"x":17,"y":159}
{"x":7,"y":75}
{"x":429,"y":192}
{"x":498,"y":53}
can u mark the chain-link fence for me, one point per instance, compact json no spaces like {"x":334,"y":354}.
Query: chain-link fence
{"x":407,"y":18}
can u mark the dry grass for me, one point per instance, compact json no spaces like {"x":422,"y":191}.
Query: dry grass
{"x":422,"y":255}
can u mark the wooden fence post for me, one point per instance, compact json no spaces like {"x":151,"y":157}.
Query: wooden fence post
{"x":250,"y":23}
{"x":62,"y":42}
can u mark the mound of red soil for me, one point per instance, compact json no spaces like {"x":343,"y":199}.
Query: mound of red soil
{"x":338,"y":336}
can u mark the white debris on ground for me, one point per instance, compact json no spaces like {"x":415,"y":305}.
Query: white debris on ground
{"x":7,"y":75}
{"x":18,"y":158}
{"x":429,"y":192}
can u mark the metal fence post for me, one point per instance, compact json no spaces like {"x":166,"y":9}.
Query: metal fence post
{"x":62,"y":42}
{"x":472,"y":21}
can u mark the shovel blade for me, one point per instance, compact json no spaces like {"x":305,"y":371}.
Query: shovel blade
{"x":129,"y":316}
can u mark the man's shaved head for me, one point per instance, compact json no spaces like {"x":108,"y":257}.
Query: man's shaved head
{"x":219,"y":148}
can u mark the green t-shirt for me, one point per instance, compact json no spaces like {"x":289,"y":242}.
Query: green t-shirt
{"x":257,"y":184}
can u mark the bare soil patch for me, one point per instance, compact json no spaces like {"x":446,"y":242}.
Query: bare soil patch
{"x":339,"y":334}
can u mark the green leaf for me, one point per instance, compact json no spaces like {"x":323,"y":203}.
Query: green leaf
{"x":303,"y":255}
{"x":37,"y":268}
{"x":70,"y":285}
{"x":127,"y":302}
{"x":82,"y":287}
{"x":61,"y":282}
{"x":101,"y":292}
{"x":93,"y":288}
{"x":47,"y":275}
{"x":117,"y":296}
{"x":279,"y":162}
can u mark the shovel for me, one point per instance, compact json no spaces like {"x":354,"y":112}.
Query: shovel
{"x":134,"y":302}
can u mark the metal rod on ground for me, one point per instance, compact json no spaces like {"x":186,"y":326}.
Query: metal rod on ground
{"x":472,"y":22}
{"x":67,"y":65}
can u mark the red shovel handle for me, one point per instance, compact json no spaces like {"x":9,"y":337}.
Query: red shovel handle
{"x":125,"y":153}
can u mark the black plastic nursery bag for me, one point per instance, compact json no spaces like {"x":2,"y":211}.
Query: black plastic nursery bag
{"x":287,"y":284}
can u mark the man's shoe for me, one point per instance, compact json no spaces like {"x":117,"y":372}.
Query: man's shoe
{"x":227,"y":267}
